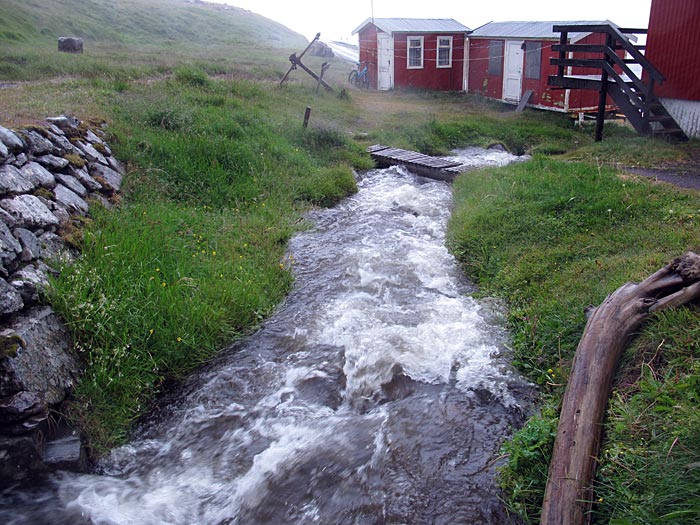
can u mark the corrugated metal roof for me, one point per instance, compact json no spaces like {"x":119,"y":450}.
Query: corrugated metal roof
{"x":538,"y":30}
{"x":415,"y":25}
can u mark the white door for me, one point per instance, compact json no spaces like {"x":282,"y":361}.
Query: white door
{"x":513,"y":70}
{"x":385,"y":59}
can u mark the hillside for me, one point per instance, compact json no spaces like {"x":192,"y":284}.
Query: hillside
{"x":140,"y":22}
{"x":139,"y":37}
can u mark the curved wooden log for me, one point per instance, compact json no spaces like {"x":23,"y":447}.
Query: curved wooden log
{"x":569,"y":494}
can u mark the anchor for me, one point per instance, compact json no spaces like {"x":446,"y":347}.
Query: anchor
{"x":296,"y":61}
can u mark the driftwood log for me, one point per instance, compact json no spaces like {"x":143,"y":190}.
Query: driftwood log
{"x":569,"y":493}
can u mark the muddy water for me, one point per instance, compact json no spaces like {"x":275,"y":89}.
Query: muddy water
{"x":378,"y":394}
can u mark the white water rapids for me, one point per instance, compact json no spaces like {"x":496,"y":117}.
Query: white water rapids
{"x":378,"y":394}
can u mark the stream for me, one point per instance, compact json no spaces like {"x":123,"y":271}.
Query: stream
{"x":379,"y":393}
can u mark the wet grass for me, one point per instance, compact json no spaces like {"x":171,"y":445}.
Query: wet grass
{"x":553,"y":237}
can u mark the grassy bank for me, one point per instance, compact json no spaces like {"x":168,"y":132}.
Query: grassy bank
{"x":552,"y":237}
{"x":195,"y":254}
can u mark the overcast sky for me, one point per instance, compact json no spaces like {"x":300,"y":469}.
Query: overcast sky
{"x":335,"y":20}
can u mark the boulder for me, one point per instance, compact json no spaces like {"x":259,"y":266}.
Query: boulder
{"x":64,"y":122}
{"x":72,"y":184}
{"x":4,"y":151}
{"x":20,"y":160}
{"x":38,"y":175}
{"x":20,"y":458}
{"x":70,"y":200}
{"x":29,"y":212}
{"x":70,"y":44}
{"x":10,"y":247}
{"x":12,"y":181}
{"x":10,"y":303}
{"x":116,"y":165}
{"x":53,"y":248}
{"x":85,"y":179}
{"x":52,"y":162}
{"x":43,"y":361}
{"x":31,"y":248}
{"x":36,"y":143}
{"x":91,"y":154}
{"x":30,"y":282}
{"x":61,"y":144}
{"x":111,"y":180}
{"x":66,"y":453}
{"x":11,"y":140}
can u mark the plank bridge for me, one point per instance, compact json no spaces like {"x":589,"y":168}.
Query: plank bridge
{"x":633,"y":93}
{"x":424,"y":165}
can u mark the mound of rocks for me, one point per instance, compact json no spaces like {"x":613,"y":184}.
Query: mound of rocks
{"x":49,"y":177}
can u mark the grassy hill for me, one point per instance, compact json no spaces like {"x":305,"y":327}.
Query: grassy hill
{"x":144,"y":36}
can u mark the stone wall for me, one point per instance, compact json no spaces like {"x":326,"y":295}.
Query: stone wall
{"x":49,"y":177}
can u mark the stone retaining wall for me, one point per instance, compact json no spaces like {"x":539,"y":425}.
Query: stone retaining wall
{"x":49,"y":177}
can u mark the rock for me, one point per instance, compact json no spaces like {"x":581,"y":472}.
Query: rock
{"x":61,"y":144}
{"x":37,"y":144}
{"x":72,"y":184}
{"x":111,"y":180}
{"x":53,"y":248}
{"x":43,"y":362}
{"x":91,"y":153}
{"x":55,"y":130}
{"x":92,"y":138}
{"x":70,"y":200}
{"x":85,"y":179}
{"x":31,"y":248}
{"x":19,"y":458}
{"x":66,"y":453}
{"x":52,"y":162}
{"x":21,"y":407}
{"x":8,"y":219}
{"x":70,"y":44}
{"x":29,"y":212}
{"x":20,"y":160}
{"x":64,"y":122}
{"x":30,"y":282}
{"x":116,"y":165}
{"x":10,"y":247}
{"x":11,"y":140}
{"x":10,"y":302}
{"x":38,"y":175}
{"x":4,"y":151}
{"x":12,"y":181}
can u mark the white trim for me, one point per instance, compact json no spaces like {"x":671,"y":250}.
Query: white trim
{"x":437,"y":56}
{"x":408,"y":51}
{"x":465,"y":63}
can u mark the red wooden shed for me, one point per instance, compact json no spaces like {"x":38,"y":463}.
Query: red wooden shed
{"x":414,"y":52}
{"x":509,"y":60}
{"x":673,"y":47}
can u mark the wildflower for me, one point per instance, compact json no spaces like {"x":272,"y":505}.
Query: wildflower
{"x":213,"y":253}
{"x":157,"y":269}
{"x":150,"y":332}
{"x":179,"y":339}
{"x":281,"y":266}
{"x":163,"y":284}
{"x":550,"y":371}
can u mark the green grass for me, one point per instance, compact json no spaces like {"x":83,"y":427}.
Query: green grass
{"x":552,"y":237}
{"x":195,"y":255}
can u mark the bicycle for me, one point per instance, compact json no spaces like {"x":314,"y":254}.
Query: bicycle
{"x":360,"y":77}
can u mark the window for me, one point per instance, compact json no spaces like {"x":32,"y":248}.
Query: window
{"x":496,"y":57}
{"x":444,"y":57}
{"x":415,"y":52}
{"x":533,"y":60}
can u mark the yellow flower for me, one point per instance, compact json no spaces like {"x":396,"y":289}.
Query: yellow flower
{"x":179,"y":339}
{"x":150,"y":332}
{"x":214,"y":253}
{"x":550,"y":371}
{"x":163,"y":285}
{"x":157,"y":269}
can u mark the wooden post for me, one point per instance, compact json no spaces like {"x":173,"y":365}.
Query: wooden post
{"x":569,"y":494}
{"x":307,"y":115}
{"x":324,"y":68}
{"x":600,"y":119}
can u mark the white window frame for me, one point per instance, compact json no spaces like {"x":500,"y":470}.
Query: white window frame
{"x":439,"y":47}
{"x":420,"y":39}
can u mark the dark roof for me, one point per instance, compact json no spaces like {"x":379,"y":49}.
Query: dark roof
{"x":414,"y":25}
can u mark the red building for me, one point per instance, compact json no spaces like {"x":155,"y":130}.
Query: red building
{"x":673,"y":47}
{"x":509,"y":60}
{"x":414,"y":53}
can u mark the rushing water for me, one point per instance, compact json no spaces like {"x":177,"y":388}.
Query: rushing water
{"x":378,"y":394}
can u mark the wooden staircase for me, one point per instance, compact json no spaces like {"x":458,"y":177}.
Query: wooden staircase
{"x":609,"y":73}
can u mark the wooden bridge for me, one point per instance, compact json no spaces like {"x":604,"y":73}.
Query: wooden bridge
{"x":424,"y":165}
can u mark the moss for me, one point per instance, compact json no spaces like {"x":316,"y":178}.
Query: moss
{"x":100,"y":147}
{"x":9,"y":345}
{"x":44,"y":193}
{"x":75,"y":160}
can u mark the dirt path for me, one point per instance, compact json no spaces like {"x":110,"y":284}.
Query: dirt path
{"x":683,"y":176}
